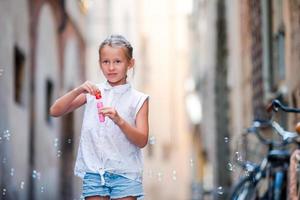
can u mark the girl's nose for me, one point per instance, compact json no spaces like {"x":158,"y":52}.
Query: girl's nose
{"x":111,"y":66}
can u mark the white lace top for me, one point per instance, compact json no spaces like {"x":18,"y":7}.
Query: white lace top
{"x":103,"y":146}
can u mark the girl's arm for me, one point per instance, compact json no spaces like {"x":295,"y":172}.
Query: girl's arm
{"x":138,"y":135}
{"x":72,"y":100}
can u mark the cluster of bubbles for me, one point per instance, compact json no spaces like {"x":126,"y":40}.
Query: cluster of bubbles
{"x":57,"y":146}
{"x":36,"y":175}
{"x":160,"y":175}
{"x":5,"y":136}
{"x":231,"y":166}
{"x":236,"y":159}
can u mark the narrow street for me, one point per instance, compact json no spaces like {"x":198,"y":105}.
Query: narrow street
{"x":210,"y":67}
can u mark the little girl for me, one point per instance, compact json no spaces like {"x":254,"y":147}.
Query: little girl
{"x":109,"y":157}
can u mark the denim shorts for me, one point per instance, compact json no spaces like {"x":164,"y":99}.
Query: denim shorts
{"x":115,"y":186}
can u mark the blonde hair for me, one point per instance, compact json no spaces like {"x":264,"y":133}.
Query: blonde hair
{"x":116,"y":40}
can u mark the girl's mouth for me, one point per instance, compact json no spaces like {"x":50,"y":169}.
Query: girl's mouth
{"x":112,"y":74}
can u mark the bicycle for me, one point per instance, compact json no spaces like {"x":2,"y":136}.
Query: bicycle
{"x":293,"y":175}
{"x":274,"y":166}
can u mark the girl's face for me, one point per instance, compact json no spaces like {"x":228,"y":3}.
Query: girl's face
{"x":114,"y":64}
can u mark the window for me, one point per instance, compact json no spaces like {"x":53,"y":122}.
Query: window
{"x":19,"y":62}
{"x":49,"y":94}
{"x":278,"y":58}
{"x":273,"y":45}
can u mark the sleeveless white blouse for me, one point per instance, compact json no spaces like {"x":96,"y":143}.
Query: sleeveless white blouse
{"x":103,"y":146}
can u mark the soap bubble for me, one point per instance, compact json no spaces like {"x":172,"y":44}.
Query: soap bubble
{"x":12,"y":171}
{"x":58,"y":154}
{"x":231,"y":167}
{"x":191,"y":162}
{"x":34,"y":174}
{"x":220,"y":190}
{"x":22,"y":185}
{"x":174,"y":177}
{"x":152,"y":140}
{"x":226,"y":139}
{"x":238,"y":156}
{"x":55,"y":143}
{"x":3,"y":192}
{"x":160,"y":176}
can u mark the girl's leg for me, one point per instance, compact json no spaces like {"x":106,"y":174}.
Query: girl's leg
{"x":126,"y":198}
{"x":97,"y":198}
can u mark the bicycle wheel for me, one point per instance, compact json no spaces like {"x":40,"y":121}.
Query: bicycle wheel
{"x":245,"y":189}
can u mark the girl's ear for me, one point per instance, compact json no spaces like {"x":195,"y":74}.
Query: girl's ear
{"x":131,"y":63}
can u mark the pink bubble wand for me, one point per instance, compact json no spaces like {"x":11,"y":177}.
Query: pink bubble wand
{"x":99,"y":106}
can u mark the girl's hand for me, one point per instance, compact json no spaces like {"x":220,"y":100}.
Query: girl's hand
{"x":88,"y":87}
{"x":112,"y":114}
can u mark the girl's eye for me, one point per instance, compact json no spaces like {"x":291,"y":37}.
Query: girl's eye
{"x":118,"y":61}
{"x":104,"y":61}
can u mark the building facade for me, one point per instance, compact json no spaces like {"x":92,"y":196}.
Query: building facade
{"x":247,"y":54}
{"x":42,"y":57}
